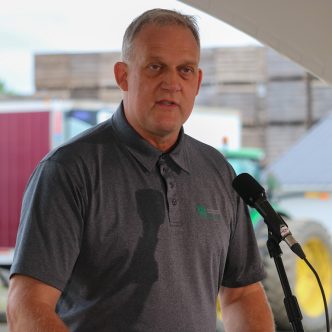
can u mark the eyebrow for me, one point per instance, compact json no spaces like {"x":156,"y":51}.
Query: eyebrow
{"x":184,"y":63}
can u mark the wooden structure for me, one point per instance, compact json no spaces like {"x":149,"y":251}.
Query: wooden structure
{"x":278,"y":100}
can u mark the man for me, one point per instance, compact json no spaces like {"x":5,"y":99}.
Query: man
{"x":134,"y":226}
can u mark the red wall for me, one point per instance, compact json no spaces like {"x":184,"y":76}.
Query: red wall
{"x":24,"y":140}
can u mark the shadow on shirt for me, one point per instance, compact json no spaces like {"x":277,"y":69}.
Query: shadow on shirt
{"x":143,"y":269}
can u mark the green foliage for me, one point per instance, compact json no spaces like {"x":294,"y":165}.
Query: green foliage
{"x":4,"y":90}
{"x":2,"y":87}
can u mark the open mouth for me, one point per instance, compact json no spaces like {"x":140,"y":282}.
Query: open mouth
{"x":166,"y":103}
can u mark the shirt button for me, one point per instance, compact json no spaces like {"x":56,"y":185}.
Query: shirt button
{"x":174,"y":202}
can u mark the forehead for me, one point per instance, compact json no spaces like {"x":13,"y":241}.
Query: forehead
{"x":159,"y":41}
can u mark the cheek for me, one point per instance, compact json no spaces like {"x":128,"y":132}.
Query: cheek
{"x":191,"y":96}
{"x":141,"y":86}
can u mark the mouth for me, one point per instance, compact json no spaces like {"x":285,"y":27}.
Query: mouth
{"x":166,"y":103}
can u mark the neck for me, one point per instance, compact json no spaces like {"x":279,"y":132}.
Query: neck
{"x":163,"y":144}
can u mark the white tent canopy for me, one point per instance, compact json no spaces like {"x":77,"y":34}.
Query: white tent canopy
{"x":299,"y":29}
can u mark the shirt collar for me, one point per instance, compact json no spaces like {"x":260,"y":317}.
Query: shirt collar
{"x":143,"y":151}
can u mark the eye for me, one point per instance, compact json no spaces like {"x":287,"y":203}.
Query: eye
{"x":154,"y":66}
{"x":187,"y":70}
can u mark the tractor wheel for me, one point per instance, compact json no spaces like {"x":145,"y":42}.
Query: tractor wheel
{"x":316,"y":243}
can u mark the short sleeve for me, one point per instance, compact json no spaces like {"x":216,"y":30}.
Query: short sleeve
{"x":51,"y":225}
{"x":243,"y":265}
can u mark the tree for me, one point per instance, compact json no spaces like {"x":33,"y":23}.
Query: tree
{"x":4,"y":90}
{"x":2,"y":87}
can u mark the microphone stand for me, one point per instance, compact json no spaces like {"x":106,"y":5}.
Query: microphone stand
{"x":292,"y":307}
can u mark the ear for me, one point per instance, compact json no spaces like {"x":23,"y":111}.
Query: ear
{"x":121,"y":74}
{"x":200,"y":77}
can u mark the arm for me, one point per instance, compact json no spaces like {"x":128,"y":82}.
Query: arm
{"x":31,"y":306}
{"x":246,"y":309}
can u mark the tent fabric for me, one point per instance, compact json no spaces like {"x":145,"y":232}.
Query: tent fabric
{"x":308,"y":163}
{"x":298,"y":29}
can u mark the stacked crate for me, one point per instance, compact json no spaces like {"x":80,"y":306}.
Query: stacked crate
{"x":233,"y":78}
{"x":277,"y":101}
{"x":294,"y":102}
{"x":321,"y":99}
{"x":77,"y":76}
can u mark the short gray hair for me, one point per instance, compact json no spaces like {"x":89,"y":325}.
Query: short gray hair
{"x":161,"y":17}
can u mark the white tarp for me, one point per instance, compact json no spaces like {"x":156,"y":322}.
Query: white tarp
{"x":299,"y":29}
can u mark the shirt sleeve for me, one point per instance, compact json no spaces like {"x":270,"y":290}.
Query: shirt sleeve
{"x":243,"y":265}
{"x":51,"y":226}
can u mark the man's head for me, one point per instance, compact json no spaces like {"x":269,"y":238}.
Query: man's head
{"x":161,"y":17}
{"x":159,"y":75}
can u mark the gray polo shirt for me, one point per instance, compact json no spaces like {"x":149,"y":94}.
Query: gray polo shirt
{"x":137,"y":240}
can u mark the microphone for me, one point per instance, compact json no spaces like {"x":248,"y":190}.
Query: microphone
{"x":254,"y":195}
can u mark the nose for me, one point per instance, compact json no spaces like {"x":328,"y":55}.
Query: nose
{"x":171,"y":81}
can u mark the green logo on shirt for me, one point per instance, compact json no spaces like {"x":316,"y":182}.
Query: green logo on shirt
{"x":208,"y":214}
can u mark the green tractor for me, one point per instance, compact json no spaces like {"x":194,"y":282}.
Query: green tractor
{"x":315,"y":241}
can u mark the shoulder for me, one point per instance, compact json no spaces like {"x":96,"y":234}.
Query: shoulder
{"x":79,"y":157}
{"x":84,"y":146}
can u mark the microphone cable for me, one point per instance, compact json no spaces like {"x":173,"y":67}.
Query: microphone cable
{"x":322,"y":292}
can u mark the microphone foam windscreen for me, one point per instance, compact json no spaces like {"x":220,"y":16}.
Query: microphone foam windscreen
{"x":248,"y":188}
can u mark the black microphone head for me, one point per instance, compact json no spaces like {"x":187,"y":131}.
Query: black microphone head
{"x":248,"y":188}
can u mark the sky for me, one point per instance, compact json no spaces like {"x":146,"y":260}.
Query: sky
{"x":64,"y":26}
